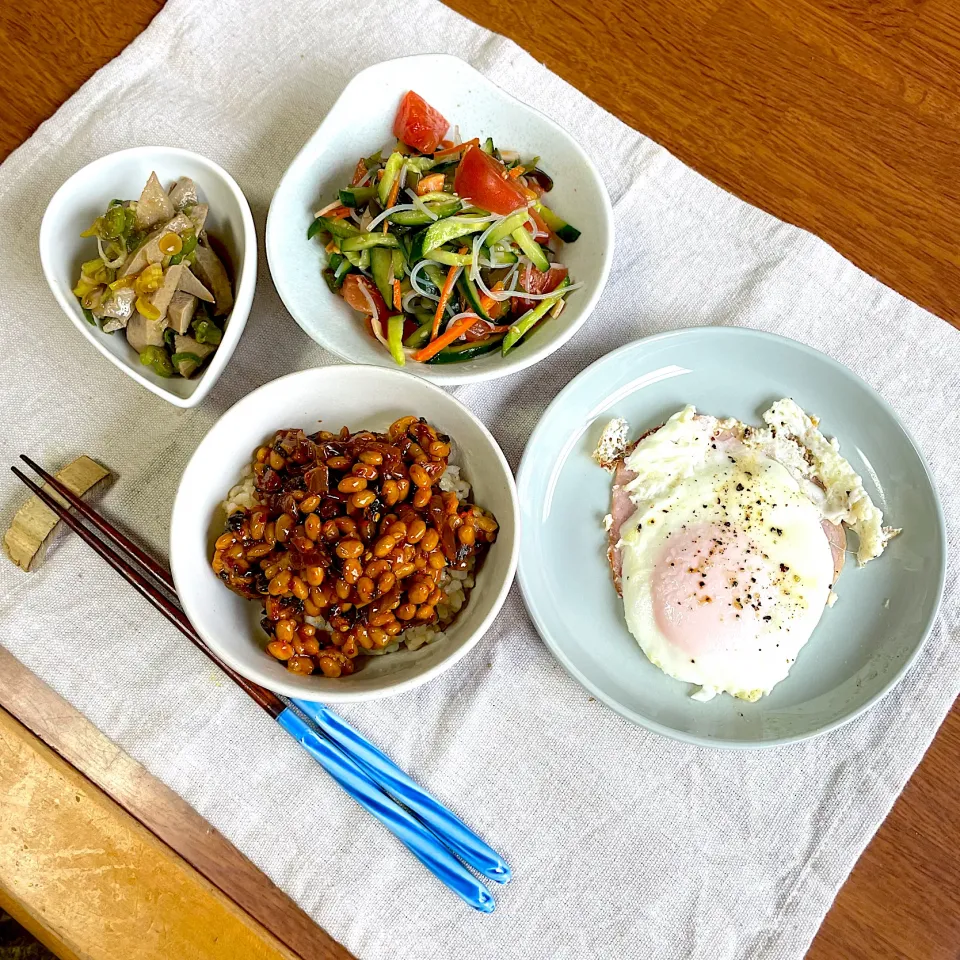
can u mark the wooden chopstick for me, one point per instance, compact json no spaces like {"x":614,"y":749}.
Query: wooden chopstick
{"x":355,"y":778}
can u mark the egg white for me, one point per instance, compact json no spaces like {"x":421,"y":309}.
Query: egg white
{"x":688,"y":476}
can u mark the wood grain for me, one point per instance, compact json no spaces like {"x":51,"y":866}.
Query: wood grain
{"x":60,"y":835}
{"x":50,"y":49}
{"x":901,"y":900}
{"x":159,"y":809}
{"x":842,"y":116}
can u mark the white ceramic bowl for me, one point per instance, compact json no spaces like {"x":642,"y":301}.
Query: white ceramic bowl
{"x":360,"y":122}
{"x":358,"y":397}
{"x":85,"y":196}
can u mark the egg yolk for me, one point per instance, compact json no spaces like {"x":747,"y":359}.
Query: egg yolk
{"x":711,"y":589}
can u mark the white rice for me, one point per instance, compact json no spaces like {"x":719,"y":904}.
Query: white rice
{"x":454,"y":583}
{"x":242,"y":496}
{"x":452,"y":482}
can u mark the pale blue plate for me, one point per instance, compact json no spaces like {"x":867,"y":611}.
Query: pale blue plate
{"x":862,"y":646}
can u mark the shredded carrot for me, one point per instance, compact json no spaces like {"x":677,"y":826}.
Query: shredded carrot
{"x":430,"y":184}
{"x":436,"y":345}
{"x":359,"y":173}
{"x":444,"y":297}
{"x":338,"y":213}
{"x":391,"y":200}
{"x":380,"y":174}
{"x":456,"y":149}
{"x":332,"y":247}
{"x":446,"y":143}
{"x":396,"y":296}
{"x":517,"y":171}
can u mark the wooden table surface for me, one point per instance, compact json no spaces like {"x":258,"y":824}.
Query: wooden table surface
{"x":841,"y":116}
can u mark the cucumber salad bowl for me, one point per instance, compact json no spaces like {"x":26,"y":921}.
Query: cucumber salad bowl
{"x":436,"y":223}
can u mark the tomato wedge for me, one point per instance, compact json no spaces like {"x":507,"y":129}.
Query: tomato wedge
{"x":533,"y":281}
{"x":418,"y":125}
{"x":481,"y":330}
{"x":484,"y":180}
{"x":543,"y":231}
{"x":352,"y":291}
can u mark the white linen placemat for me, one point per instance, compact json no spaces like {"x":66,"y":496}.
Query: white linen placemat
{"x":624,"y":844}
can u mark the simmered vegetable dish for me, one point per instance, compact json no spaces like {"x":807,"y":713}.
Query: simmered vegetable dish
{"x":157,"y":278}
{"x":446,"y":248}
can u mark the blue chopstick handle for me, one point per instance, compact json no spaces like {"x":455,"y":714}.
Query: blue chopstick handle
{"x":409,"y":831}
{"x":379,"y":767}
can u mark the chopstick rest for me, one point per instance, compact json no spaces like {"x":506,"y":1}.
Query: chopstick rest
{"x":34,"y":523}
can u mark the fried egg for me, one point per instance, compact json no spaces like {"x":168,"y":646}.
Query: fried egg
{"x":727,"y":540}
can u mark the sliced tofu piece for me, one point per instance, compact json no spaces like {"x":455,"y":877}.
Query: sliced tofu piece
{"x":183,"y":193}
{"x":136,"y":260}
{"x":171,"y":279}
{"x":180,"y":224}
{"x":154,"y":205}
{"x":118,"y":308}
{"x":188,"y":345}
{"x":181,"y":310}
{"x":149,"y":251}
{"x":213,"y":275}
{"x":190,"y":284}
{"x":142,"y":333}
{"x":198,"y":214}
